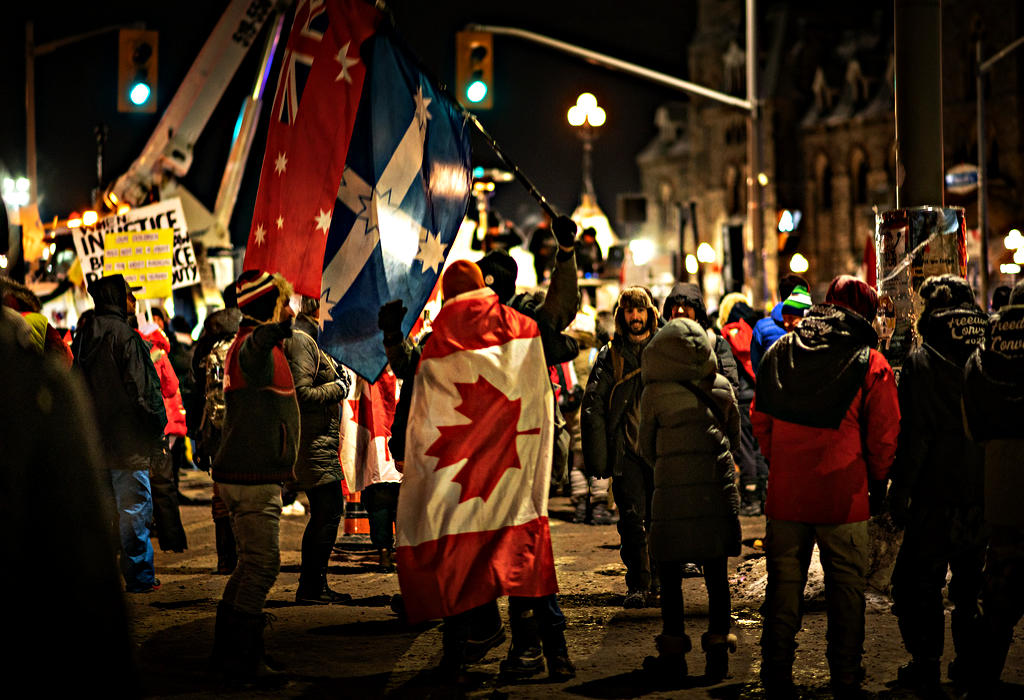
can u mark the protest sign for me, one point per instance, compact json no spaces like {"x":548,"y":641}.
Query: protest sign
{"x":166,"y":214}
{"x":143,"y":257}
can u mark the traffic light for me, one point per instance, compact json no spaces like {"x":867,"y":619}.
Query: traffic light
{"x":474,"y":69}
{"x":136,"y":71}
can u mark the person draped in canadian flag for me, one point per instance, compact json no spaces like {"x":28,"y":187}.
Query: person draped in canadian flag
{"x":472,"y":514}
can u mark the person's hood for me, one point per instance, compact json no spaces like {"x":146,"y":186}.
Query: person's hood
{"x":110,"y":296}
{"x":810,"y":376}
{"x":158,"y":339}
{"x":955,"y":333}
{"x":726,"y":305}
{"x":223,"y":322}
{"x":680,"y":351}
{"x":636,"y":297}
{"x":687,"y":294}
{"x":777,"y":313}
{"x":1002,"y":358}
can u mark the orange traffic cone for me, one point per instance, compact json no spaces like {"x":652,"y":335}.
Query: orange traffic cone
{"x":357,"y":521}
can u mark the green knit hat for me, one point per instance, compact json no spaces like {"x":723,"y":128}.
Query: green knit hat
{"x":797,"y":303}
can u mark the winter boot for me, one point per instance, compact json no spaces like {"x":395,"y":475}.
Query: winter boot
{"x":920,"y":674}
{"x":717,"y":648}
{"x":634,"y":600}
{"x":454,"y":635}
{"x":486,"y":631}
{"x":386,"y":560}
{"x":244,"y":661}
{"x":319,"y":593}
{"x":579,"y":513}
{"x":602,"y":515}
{"x":751,"y":500}
{"x":560,"y":667}
{"x":227,"y":553}
{"x":525,"y":657}
{"x":777,"y":681}
{"x":669,"y":666}
{"x":221,"y":627}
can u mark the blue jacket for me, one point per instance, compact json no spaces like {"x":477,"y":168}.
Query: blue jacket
{"x":766,"y":332}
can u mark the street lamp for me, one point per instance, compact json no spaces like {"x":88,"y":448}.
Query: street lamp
{"x":586,"y":116}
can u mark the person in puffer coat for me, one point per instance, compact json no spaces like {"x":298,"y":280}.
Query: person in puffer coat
{"x":936,"y":490}
{"x":163,"y":475}
{"x":993,"y":408}
{"x":686,"y":301}
{"x":689,"y":423}
{"x":319,"y":388}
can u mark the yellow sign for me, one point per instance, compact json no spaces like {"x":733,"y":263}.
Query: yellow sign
{"x":32,"y":233}
{"x":143,"y":257}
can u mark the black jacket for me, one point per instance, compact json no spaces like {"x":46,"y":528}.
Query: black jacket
{"x":935,"y":462}
{"x":319,"y":395}
{"x":121,"y":378}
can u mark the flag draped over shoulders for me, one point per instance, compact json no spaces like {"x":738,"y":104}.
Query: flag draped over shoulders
{"x":401,"y":200}
{"x":365,"y":428}
{"x":314,"y":110}
{"x":472,"y":512}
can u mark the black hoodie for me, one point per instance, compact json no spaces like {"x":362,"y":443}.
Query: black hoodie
{"x":121,"y":378}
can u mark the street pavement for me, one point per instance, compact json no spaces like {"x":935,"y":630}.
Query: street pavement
{"x":363,"y":650}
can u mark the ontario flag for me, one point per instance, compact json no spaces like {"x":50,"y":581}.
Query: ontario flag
{"x":403,"y":195}
{"x":472,"y":512}
{"x":314,"y":110}
{"x":365,"y":428}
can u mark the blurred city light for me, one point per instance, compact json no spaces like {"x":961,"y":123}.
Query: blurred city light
{"x":798,"y":263}
{"x":1010,"y":269}
{"x":705,"y":253}
{"x":90,"y":217}
{"x":642,"y":251}
{"x":1013,"y":240}
{"x":691,"y":264}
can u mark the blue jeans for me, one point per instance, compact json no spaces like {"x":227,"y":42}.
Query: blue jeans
{"x":134,"y":511}
{"x":256,"y":520}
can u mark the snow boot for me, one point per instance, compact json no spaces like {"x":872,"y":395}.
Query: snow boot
{"x":579,"y":513}
{"x":669,"y":666}
{"x":920,"y":674}
{"x":560,"y":667}
{"x":635,"y":600}
{"x":525,"y":657}
{"x":244,"y":657}
{"x":602,"y":515}
{"x":717,"y":648}
{"x":221,"y":627}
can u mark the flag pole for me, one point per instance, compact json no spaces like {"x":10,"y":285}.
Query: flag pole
{"x":511,"y":166}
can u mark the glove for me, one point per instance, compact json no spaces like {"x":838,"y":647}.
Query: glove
{"x":564,"y":229}
{"x":389,"y":318}
{"x":270,"y":334}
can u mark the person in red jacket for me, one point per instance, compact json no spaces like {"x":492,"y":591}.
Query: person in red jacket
{"x":826,"y":414}
{"x":163,"y":476}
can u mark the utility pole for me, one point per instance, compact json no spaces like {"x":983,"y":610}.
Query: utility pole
{"x":755,"y":216}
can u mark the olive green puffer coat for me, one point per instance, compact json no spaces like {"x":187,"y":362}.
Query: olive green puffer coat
{"x":695,"y":502}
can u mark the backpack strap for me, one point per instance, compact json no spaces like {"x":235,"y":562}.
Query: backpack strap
{"x":709,"y":402}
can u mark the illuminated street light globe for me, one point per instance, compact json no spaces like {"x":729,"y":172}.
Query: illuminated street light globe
{"x":577,"y":116}
{"x":798,"y":264}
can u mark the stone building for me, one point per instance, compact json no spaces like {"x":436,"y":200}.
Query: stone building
{"x":828,"y":133}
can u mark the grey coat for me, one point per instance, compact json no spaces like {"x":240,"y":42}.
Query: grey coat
{"x":695,"y":505}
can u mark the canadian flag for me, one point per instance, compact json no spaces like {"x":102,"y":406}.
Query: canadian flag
{"x":365,"y":428}
{"x":472,"y":512}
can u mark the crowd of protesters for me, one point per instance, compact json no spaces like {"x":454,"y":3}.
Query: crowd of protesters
{"x":670,"y":423}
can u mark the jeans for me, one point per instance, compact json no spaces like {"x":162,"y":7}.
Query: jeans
{"x":326,"y":506}
{"x":381,"y":503}
{"x":633,"y":491}
{"x":716,"y":581}
{"x":134,"y":511}
{"x":256,"y":519}
{"x":844,"y":559}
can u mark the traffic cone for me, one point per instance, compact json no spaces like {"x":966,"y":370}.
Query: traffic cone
{"x":357,"y":520}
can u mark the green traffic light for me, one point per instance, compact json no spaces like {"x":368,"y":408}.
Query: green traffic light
{"x":139,"y":94}
{"x":476,"y":91}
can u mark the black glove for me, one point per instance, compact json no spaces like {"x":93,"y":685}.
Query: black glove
{"x":564,"y":229}
{"x":389,"y":318}
{"x":270,"y":334}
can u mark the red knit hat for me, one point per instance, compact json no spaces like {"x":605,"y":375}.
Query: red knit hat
{"x":460,"y":277}
{"x":853,"y":294}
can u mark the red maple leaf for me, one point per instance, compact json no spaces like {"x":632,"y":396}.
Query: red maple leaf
{"x":488,"y":441}
{"x":374,"y":410}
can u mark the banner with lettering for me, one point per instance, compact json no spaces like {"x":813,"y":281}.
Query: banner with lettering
{"x":143,"y":257}
{"x":89,"y":240}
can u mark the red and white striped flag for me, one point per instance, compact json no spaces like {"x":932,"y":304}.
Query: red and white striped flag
{"x":311,"y":124}
{"x":472,"y":512}
{"x":366,"y":420}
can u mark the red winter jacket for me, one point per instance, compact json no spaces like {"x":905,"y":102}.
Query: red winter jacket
{"x":168,"y":382}
{"x":820,"y":475}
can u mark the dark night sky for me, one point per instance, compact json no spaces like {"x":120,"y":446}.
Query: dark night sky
{"x":534,"y":87}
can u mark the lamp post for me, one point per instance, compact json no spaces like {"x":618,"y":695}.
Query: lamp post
{"x":586,"y":116}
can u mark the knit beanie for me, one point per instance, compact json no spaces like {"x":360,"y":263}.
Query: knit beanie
{"x":460,"y":277}
{"x":950,"y":312}
{"x":790,"y":282}
{"x":499,"y":272}
{"x":851,"y":293}
{"x":798,"y":301}
{"x":260,"y":293}
{"x":1017,"y":294}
